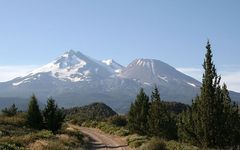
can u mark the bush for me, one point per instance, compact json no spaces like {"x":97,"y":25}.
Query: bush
{"x":20,"y":141}
{"x":135,"y":140}
{"x":10,"y":147}
{"x":55,"y":146}
{"x":44,"y":134}
{"x":122,"y":132}
{"x":154,"y":144}
{"x":180,"y":146}
{"x":91,"y":124}
{"x":117,"y":120}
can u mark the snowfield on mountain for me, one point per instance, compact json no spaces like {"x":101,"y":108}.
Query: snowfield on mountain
{"x":76,"y":79}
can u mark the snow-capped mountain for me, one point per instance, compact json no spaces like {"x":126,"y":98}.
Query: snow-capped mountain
{"x":74,"y":67}
{"x":76,"y":79}
{"x":173,"y":84}
{"x":113,"y":65}
{"x":151,"y":71}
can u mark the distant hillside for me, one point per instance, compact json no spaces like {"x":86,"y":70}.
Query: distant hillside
{"x":94,"y":111}
{"x":21,"y":103}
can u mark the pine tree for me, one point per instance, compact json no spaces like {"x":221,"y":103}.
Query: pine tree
{"x":53,"y":116}
{"x":230,"y":120}
{"x":138,"y":113}
{"x":34,"y":116}
{"x":156,"y":113}
{"x":212,"y":119}
{"x":160,"y":122}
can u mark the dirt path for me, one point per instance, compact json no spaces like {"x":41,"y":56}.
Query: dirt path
{"x":102,"y":141}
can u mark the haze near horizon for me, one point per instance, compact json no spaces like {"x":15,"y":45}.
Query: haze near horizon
{"x":35,"y":33}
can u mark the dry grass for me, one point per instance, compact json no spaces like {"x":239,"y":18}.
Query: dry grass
{"x":14,"y":134}
{"x":17,"y":120}
{"x":38,"y":145}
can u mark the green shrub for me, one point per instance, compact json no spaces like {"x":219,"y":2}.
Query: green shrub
{"x":44,"y":134}
{"x":7,"y":146}
{"x":55,"y":146}
{"x":135,"y":140}
{"x":122,"y":132}
{"x":180,"y":146}
{"x":117,"y":120}
{"x":92,"y":124}
{"x":154,"y":144}
{"x":20,"y":141}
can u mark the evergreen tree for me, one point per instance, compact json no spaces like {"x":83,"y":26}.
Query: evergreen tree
{"x":11,"y":111}
{"x":212,"y":115}
{"x":160,"y":122}
{"x":53,"y":116}
{"x":138,"y":114}
{"x":230,"y":120}
{"x":34,"y":116}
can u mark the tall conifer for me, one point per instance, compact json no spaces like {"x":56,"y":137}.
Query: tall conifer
{"x":53,"y":116}
{"x":212,"y":119}
{"x":138,"y":114}
{"x":34,"y":116}
{"x":159,"y":119}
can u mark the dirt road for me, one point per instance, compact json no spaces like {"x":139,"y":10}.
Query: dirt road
{"x":102,"y":141}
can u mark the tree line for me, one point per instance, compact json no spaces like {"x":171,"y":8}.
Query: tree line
{"x":50,"y":118}
{"x":212,"y":121}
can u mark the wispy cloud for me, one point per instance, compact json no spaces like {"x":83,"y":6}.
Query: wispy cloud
{"x":232,"y":79}
{"x":193,"y":72}
{"x":10,"y":72}
{"x":229,"y":76}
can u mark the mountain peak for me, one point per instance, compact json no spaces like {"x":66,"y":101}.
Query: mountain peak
{"x":145,"y":61}
{"x":152,"y":71}
{"x":74,"y":66}
{"x":113,"y":65}
{"x":71,"y":51}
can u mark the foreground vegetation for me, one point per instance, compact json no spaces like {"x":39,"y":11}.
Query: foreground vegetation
{"x":15,"y":135}
{"x":135,"y":140}
{"x":211,"y":122}
{"x":38,"y":130}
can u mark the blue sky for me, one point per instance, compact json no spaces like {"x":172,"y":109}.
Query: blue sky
{"x":33,"y":33}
